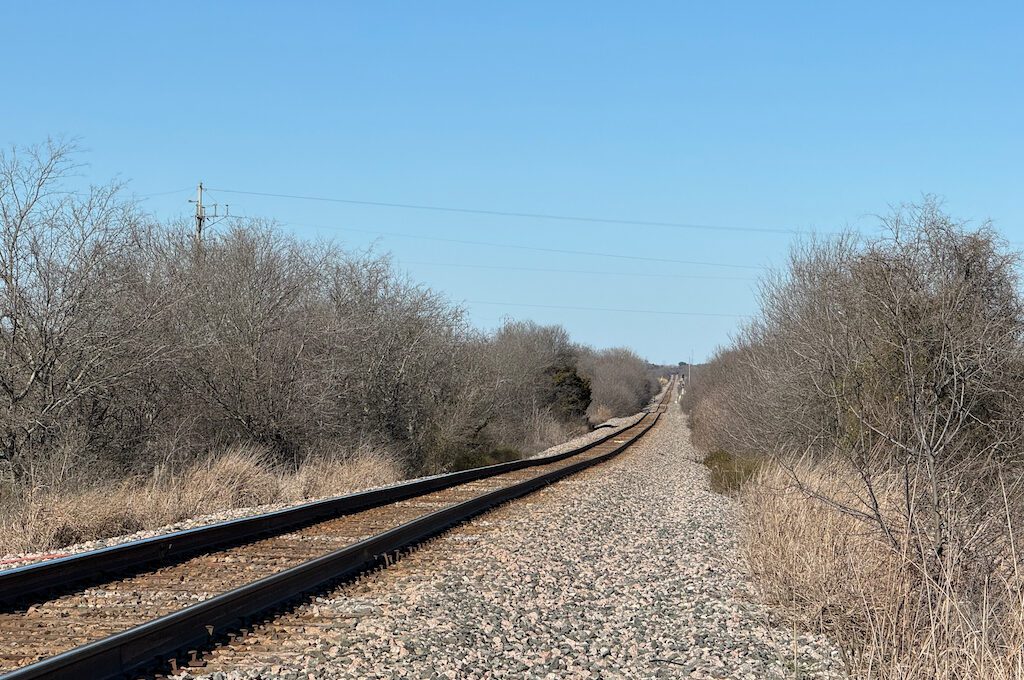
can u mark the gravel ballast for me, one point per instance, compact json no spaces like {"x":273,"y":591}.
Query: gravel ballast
{"x":630,"y":569}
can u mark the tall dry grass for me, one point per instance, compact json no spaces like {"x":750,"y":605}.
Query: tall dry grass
{"x":242,"y":476}
{"x":839,"y":574}
{"x":885,"y":375}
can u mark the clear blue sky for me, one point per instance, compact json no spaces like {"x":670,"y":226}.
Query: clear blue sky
{"x":758,"y":115}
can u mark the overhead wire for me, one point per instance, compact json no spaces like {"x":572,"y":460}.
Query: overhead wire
{"x":540,"y":269}
{"x":657,"y":275}
{"x":490,"y":244}
{"x":166,"y":193}
{"x":513,"y":246}
{"x":517,"y":214}
{"x":605,"y":309}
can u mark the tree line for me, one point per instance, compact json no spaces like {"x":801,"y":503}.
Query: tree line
{"x":126,"y":343}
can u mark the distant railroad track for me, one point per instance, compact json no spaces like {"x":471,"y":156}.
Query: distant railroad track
{"x":154,"y":604}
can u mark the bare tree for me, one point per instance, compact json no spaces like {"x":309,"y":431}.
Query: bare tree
{"x":898,"y":360}
{"x":621,"y":382}
{"x":127,"y":344}
{"x":63,"y":273}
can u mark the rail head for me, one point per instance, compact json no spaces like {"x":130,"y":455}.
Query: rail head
{"x":22,"y":584}
{"x":195,"y":626}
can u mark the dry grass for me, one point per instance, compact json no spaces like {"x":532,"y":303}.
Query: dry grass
{"x":546,"y":431}
{"x":729,"y":472}
{"x":599,"y":413}
{"x":836,"y":573}
{"x":239,"y":477}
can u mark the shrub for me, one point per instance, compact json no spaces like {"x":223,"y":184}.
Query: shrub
{"x":885,"y":375}
{"x":620,"y":382}
{"x":130,"y":350}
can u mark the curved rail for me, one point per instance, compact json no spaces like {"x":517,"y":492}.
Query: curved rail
{"x":44,"y":579}
{"x":161,"y":640}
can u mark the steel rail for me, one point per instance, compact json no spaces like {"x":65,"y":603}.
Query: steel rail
{"x":153,"y":643}
{"x":61,"y":575}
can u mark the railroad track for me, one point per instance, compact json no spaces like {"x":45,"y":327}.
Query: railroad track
{"x":154,"y":604}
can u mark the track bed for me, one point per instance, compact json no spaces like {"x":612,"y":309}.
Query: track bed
{"x":129,"y":623}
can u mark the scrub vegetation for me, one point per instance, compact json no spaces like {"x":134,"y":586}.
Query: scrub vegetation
{"x":881,"y":390}
{"x":145,"y":366}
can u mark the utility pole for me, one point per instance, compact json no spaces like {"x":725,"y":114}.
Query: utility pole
{"x":202,"y":219}
{"x":200,"y":213}
{"x":689,"y":367}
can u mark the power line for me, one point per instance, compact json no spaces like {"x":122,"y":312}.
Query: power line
{"x":605,"y":309}
{"x":580,"y":271}
{"x":561,"y":251}
{"x":166,"y":193}
{"x":507,"y":213}
{"x":513,"y":246}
